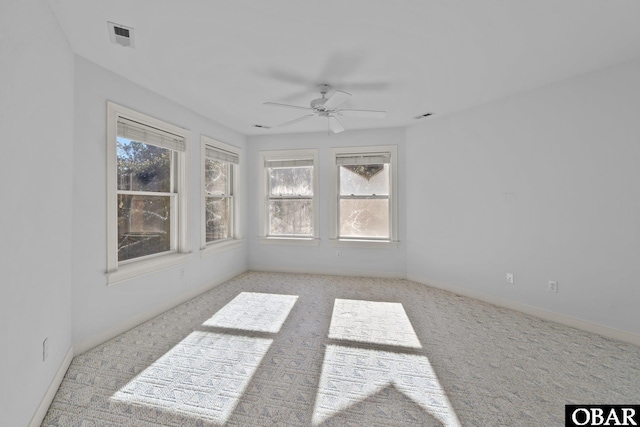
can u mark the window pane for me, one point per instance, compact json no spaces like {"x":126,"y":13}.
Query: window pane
{"x":364,"y":180}
{"x":216,"y":177}
{"x":143,"y":167}
{"x":291,"y":181}
{"x":364,"y":218}
{"x":144,"y":225}
{"x":218,"y":219}
{"x":290,"y":217}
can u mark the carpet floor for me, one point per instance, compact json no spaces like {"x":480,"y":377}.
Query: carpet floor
{"x":270,"y":349}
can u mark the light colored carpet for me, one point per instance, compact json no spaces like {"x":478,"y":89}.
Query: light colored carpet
{"x":267,"y":349}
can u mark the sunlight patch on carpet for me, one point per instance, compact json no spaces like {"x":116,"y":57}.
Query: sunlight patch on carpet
{"x":203,"y":376}
{"x":372,"y":322}
{"x":351,"y":375}
{"x":251,"y":311}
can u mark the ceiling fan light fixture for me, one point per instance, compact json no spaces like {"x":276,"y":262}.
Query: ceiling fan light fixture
{"x":329,"y":108}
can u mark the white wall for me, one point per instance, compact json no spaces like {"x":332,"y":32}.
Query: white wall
{"x":322,"y":258}
{"x":545,"y":185}
{"x":36,"y":124}
{"x":96,"y":306}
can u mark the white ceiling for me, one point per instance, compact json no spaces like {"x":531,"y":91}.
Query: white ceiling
{"x":223,"y":59}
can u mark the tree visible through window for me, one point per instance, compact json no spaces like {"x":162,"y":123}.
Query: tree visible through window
{"x":288,"y":193}
{"x":144,"y":199}
{"x":220,"y":166}
{"x":147,"y":207}
{"x":290,"y":201}
{"x":219,"y":202}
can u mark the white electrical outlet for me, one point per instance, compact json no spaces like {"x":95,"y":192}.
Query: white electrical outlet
{"x":553,"y":286}
{"x":182,"y":272}
{"x":45,"y":349}
{"x":510,"y":278}
{"x":338,"y":254}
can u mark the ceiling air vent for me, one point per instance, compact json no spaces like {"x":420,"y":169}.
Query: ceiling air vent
{"x":121,"y":34}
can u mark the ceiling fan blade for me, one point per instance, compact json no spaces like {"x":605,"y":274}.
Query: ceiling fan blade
{"x":289,"y":77}
{"x":275,"y":104}
{"x":340,"y":65}
{"x":299,"y":119}
{"x":362,"y":86}
{"x":367,"y":114}
{"x":337,"y":99}
{"x":335,"y":125}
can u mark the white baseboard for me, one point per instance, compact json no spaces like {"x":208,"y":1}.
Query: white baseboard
{"x":329,"y":272}
{"x":551,"y":316}
{"x":104,"y":336}
{"x":37,"y":418}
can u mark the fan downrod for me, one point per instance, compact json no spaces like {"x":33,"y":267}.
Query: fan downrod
{"x":318,"y":103}
{"x":323,"y":88}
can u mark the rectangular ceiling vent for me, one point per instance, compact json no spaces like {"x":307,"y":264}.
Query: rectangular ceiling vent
{"x":121,"y":34}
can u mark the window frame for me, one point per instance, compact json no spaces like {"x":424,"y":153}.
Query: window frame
{"x":118,"y":271}
{"x":335,"y":239}
{"x":236,"y":239}
{"x":264,"y":196}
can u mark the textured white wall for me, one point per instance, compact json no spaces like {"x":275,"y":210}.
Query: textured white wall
{"x":322,"y":258}
{"x":545,"y":185}
{"x":36,"y":124}
{"x":96,"y":306}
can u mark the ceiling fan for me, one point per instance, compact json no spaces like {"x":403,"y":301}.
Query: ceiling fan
{"x":329,"y":108}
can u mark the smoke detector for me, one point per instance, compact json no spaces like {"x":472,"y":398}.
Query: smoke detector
{"x":121,"y":34}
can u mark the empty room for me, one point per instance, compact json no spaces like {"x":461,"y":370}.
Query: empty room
{"x":320,"y":213}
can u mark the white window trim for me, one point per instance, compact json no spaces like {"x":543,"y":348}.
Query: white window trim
{"x":334,"y":241}
{"x":216,"y":247}
{"x":117,"y":272}
{"x":219,"y":247}
{"x":264,"y":156}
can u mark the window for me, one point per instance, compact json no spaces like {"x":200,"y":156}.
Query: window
{"x":364,"y":196}
{"x":289,"y":209}
{"x":220,"y":176}
{"x":146,"y":193}
{"x":290,"y":199}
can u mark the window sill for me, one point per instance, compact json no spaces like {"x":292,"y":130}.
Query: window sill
{"x":289,"y":241}
{"x":368,"y":244}
{"x":141,"y":268}
{"x":219,"y":247}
